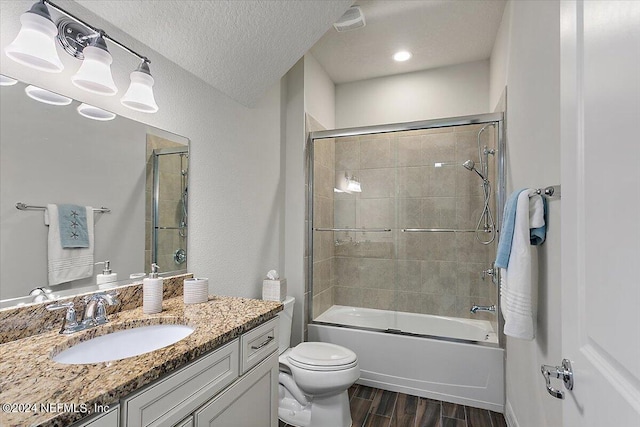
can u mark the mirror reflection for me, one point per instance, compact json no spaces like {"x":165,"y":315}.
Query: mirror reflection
{"x":50,"y":154}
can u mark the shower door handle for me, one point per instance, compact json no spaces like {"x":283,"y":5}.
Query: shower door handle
{"x":563,"y":371}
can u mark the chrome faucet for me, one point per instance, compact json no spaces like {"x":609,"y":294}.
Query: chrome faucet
{"x":489,"y":308}
{"x":95,"y":312}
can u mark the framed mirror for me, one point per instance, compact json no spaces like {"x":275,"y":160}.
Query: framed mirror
{"x":53,"y":154}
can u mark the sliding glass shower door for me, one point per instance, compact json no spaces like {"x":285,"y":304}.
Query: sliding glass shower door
{"x":401,"y":226}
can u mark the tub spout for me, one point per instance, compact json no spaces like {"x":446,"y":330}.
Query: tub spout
{"x":476,"y":308}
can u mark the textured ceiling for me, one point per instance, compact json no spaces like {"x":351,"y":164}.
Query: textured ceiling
{"x":239,"y":47}
{"x":437,"y":32}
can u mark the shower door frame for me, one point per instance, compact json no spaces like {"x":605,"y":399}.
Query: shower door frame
{"x":477,"y":119}
{"x":155,"y":208}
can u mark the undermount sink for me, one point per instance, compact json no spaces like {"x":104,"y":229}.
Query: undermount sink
{"x":123,"y":344}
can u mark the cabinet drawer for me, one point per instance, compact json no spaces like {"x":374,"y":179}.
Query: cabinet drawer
{"x":166,"y":402}
{"x":257,"y":344}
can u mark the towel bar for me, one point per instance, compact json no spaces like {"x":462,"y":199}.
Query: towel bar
{"x":23,"y":207}
{"x":551,"y":191}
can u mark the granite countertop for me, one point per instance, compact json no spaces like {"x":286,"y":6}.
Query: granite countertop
{"x":34,"y":388}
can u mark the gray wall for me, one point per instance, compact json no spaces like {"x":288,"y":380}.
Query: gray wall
{"x":51,"y":154}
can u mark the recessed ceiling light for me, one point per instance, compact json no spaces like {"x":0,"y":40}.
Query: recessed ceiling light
{"x":401,"y":56}
{"x":43,"y":95}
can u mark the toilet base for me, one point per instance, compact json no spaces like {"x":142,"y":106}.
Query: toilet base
{"x":294,"y":414}
{"x":330,"y":411}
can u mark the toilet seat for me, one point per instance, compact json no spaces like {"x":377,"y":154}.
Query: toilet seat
{"x":320,"y":356}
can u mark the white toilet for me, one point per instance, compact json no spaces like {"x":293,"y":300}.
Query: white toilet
{"x":314,"y":378}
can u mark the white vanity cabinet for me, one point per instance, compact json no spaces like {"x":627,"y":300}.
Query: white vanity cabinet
{"x":238,"y":381}
{"x":111,"y":418}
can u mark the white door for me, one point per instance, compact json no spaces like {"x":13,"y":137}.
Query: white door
{"x":601,"y":211}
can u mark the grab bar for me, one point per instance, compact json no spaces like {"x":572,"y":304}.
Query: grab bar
{"x":23,"y":207}
{"x":363,"y":230}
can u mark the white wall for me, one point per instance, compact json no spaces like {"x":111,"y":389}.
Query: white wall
{"x":319,"y":92}
{"x":499,"y":60}
{"x":294,"y":213}
{"x":532,"y":77}
{"x":458,"y":90}
{"x":235,"y":188}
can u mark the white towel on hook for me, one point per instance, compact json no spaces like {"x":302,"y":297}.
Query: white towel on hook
{"x":65,"y":265}
{"x":519,"y":282}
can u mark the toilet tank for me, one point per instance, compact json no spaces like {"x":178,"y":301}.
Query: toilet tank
{"x":285,"y":320}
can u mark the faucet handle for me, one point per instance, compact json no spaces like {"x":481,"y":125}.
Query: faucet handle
{"x":70,"y":320}
{"x":60,"y":306}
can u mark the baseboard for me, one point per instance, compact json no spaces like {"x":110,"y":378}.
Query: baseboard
{"x":510,"y":416}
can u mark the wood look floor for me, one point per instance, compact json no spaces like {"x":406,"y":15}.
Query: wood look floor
{"x":371,"y":407}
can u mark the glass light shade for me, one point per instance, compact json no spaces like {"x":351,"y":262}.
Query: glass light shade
{"x":43,"y":95}
{"x":139,"y":96}
{"x":95,"y":113}
{"x":94,"y":74}
{"x":7,"y":81}
{"x":35,"y":44}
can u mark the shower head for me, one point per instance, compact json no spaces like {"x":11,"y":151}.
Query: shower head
{"x":470,"y":165}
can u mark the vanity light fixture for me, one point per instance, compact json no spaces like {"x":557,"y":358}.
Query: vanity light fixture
{"x":95,"y":113}
{"x":94,"y":74}
{"x":7,"y":81}
{"x":139,"y":96}
{"x":35,"y":47}
{"x":402,"y":56}
{"x":43,"y":95}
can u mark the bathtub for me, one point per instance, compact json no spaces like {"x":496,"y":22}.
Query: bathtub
{"x":453,"y":360}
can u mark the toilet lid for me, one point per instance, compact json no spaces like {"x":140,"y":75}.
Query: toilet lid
{"x":322,"y":356}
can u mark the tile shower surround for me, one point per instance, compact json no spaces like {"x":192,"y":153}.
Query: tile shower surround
{"x":402,"y":187}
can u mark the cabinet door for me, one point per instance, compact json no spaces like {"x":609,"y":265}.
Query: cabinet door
{"x":166,"y":402}
{"x":251,"y":402}
{"x":111,"y":418}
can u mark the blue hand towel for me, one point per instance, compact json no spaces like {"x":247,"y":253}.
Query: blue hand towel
{"x":506,"y":233}
{"x":73,"y":226}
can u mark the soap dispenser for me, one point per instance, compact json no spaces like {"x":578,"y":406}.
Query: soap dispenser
{"x":107,"y":276}
{"x":152,"y":292}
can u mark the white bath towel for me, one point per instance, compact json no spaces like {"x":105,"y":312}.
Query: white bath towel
{"x":518,"y":287}
{"x":65,"y":265}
